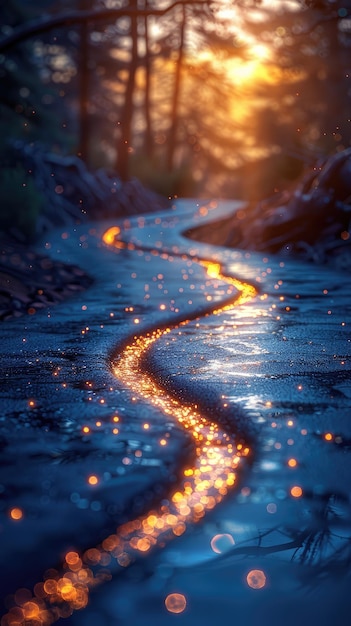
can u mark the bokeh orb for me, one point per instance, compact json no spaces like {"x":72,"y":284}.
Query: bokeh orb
{"x":222,"y":542}
{"x":256,"y":579}
{"x":175,"y":603}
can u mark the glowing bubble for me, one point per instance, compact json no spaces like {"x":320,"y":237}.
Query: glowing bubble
{"x":30,"y":610}
{"x":16,"y":513}
{"x":222,"y":543}
{"x":256,"y":579}
{"x":111,"y":234}
{"x":175,"y":603}
{"x":296,"y":491}
{"x":93,"y":480}
{"x":50,"y":586}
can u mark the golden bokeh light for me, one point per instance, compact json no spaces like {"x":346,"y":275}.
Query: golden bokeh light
{"x":93,"y":480}
{"x":256,"y":579}
{"x":175,"y":603}
{"x":16,"y":513}
{"x":296,"y":491}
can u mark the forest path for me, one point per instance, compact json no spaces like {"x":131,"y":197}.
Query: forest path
{"x":276,"y":368}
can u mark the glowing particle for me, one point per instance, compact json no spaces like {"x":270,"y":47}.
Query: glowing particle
{"x":31,"y":403}
{"x":16,"y":513}
{"x":222,"y":542}
{"x":136,"y":320}
{"x":296,"y":491}
{"x":115,"y":418}
{"x":93,"y":480}
{"x":72,"y":558}
{"x":328,"y":437}
{"x":292,"y":462}
{"x":110,"y":235}
{"x":256,"y":579}
{"x":146,"y":426}
{"x":175,"y":603}
{"x":271,"y":507}
{"x":163,"y":442}
{"x":86,"y":429}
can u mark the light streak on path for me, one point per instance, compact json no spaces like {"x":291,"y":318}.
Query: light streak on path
{"x":203,"y":486}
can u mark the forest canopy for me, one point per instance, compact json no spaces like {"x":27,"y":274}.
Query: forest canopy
{"x":182,"y":95}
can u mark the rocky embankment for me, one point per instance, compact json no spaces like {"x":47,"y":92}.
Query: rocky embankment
{"x":72,"y":195}
{"x":311,"y":222}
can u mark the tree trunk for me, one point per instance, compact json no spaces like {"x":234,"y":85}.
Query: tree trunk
{"x":148,"y":143}
{"x":83,"y":141}
{"x":126,"y":119}
{"x":174,"y":119}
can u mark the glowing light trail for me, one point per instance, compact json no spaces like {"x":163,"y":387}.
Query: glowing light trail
{"x":203,"y":486}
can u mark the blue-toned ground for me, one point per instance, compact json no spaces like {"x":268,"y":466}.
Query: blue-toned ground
{"x":276,"y":368}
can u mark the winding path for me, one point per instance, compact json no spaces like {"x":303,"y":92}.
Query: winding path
{"x":283,"y":359}
{"x":205,"y":483}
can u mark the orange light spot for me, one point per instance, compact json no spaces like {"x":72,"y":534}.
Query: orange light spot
{"x":115,"y":418}
{"x":296,"y":491}
{"x":16,"y":513}
{"x":175,"y":603}
{"x":256,"y":579}
{"x":93,"y":480}
{"x":86,"y":429}
{"x":72,"y":558}
{"x":292,"y":462}
{"x":30,"y":610}
{"x":163,"y":442}
{"x":110,"y":235}
{"x":50,"y":586}
{"x":31,"y":403}
{"x":328,"y":437}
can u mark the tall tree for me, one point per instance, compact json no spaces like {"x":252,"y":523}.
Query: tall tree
{"x":148,"y":140}
{"x":124,"y":140}
{"x":174,"y":115}
{"x":83,"y":65}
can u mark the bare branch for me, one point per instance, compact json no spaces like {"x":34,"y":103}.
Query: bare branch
{"x":71,"y":18}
